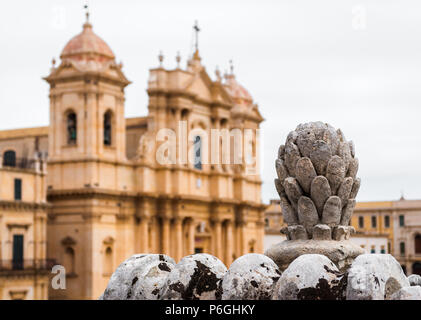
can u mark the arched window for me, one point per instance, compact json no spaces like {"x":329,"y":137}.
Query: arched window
{"x":9,"y":158}
{"x":418,"y":244}
{"x":107,"y":128}
{"x":197,"y":152}
{"x":69,"y":260}
{"x":108,"y":261}
{"x":71,"y":122}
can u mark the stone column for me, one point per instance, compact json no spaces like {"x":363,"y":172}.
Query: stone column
{"x":217,"y":225}
{"x":144,"y":234}
{"x":230,"y":243}
{"x":260,"y":226}
{"x":165,"y":235}
{"x":152,"y":236}
{"x":191,"y":237}
{"x":241,"y":238}
{"x":178,"y":229}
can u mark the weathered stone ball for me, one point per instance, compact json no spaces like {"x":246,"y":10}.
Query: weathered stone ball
{"x":250,"y":277}
{"x":407,"y":293}
{"x":375,"y":277}
{"x":140,"y":277}
{"x":195,"y":277}
{"x":311,"y":277}
{"x":414,"y":280}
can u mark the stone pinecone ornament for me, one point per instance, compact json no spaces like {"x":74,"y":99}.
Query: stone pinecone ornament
{"x":317,"y":183}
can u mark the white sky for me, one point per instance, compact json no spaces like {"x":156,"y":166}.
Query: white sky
{"x":302,"y":60}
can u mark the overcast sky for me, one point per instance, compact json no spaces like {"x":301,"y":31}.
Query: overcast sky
{"x":354,"y":64}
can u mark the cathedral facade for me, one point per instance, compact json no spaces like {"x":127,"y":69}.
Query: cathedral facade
{"x":118,"y":186}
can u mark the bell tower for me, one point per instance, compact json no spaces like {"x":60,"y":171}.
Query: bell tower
{"x":87,"y":125}
{"x":91,"y":219}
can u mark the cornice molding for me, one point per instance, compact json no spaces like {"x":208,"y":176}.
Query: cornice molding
{"x":23,"y":206}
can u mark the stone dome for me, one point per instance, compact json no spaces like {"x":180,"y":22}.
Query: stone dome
{"x":87,"y":46}
{"x":237,"y":91}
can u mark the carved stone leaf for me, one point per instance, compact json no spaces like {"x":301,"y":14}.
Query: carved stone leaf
{"x":335,"y":173}
{"x":281,"y":170}
{"x":279,"y":187}
{"x":318,"y":129}
{"x":353,"y":168}
{"x":281,"y":152}
{"x":292,"y":190}
{"x":347,"y":212}
{"x":355,"y":188}
{"x":305,"y":141}
{"x":320,"y":192}
{"x":320,"y":156}
{"x":345,"y":190}
{"x":292,"y":137}
{"x":307,"y":214}
{"x":352,"y":148}
{"x":331,"y":138}
{"x":305,"y":173}
{"x":322,"y":232}
{"x":341,"y":135}
{"x":288,"y":213}
{"x":345,"y":154}
{"x":332,"y":211}
{"x":297,"y":232}
{"x":292,"y":155}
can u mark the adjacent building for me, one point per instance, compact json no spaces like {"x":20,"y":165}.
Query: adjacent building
{"x":24,"y":268}
{"x":400,"y":221}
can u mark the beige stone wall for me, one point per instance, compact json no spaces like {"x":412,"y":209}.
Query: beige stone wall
{"x":24,"y":288}
{"x":411,"y":210}
{"x":26,"y":217}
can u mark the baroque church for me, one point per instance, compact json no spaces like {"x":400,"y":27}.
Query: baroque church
{"x":107,"y":196}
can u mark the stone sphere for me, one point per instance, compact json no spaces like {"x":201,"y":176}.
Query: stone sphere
{"x":195,"y":277}
{"x":250,"y":277}
{"x":407,"y":293}
{"x":375,"y":277}
{"x":414,"y":280}
{"x":311,"y":277}
{"x":140,"y":277}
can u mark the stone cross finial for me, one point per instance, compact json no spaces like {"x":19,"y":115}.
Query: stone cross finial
{"x":160,"y":58}
{"x":317,"y":183}
{"x":231,"y":67}
{"x":86,"y":7}
{"x":178,"y":59}
{"x":196,"y":32}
